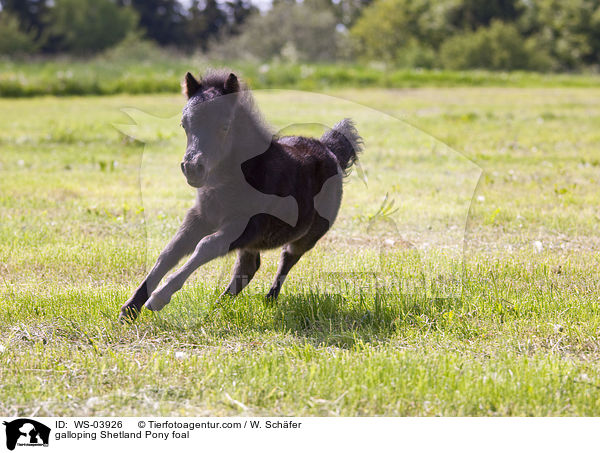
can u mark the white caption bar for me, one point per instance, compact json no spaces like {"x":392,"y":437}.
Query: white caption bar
{"x":272,"y":434}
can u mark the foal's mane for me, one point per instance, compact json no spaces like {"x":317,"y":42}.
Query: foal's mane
{"x":214,"y":80}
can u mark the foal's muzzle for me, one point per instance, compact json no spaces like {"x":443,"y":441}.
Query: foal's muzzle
{"x":195,"y":173}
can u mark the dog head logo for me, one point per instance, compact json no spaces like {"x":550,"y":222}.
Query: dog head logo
{"x":26,"y":432}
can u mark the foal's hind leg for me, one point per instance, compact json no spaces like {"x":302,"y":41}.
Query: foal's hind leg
{"x":286,"y":262}
{"x":246,"y":265}
{"x":293,"y":251}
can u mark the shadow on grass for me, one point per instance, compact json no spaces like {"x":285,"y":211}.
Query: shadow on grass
{"x":328,"y":319}
{"x":198,"y":317}
{"x":335,"y":320}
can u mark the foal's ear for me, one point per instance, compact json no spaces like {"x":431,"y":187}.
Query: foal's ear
{"x":232,"y":85}
{"x":190,"y":85}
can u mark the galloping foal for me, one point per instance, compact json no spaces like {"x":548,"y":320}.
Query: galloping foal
{"x":255,"y":191}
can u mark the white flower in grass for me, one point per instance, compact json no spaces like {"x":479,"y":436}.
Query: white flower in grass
{"x":180,"y":355}
{"x":93,"y":401}
{"x":480,"y":198}
{"x":2,"y":348}
{"x":538,"y":246}
{"x":583,"y":377}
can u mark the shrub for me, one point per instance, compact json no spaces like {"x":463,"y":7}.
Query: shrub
{"x":83,"y":26}
{"x":568,"y":30}
{"x":291,"y":32}
{"x":134,"y":48}
{"x":499,"y":47}
{"x":404,"y":33}
{"x":12,"y":40}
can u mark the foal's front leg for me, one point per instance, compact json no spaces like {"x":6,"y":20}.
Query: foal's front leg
{"x":209,"y":248}
{"x":192,"y":230}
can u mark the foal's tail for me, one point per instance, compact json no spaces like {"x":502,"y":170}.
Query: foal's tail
{"x":343,"y":141}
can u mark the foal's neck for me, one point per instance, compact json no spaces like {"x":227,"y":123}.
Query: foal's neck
{"x":250,"y":138}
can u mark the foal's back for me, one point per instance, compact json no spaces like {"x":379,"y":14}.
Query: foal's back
{"x":296,"y":166}
{"x":292,"y":166}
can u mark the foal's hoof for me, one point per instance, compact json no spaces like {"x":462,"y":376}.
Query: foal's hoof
{"x":156,"y":302}
{"x":225,"y":296}
{"x":271,"y":296}
{"x":128,"y":314}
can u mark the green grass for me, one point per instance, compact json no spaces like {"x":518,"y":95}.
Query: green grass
{"x":520,"y":338}
{"x":101,"y":76}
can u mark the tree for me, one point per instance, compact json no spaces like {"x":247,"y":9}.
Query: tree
{"x":238,"y":12}
{"x":14,"y":41}
{"x":412,"y":32}
{"x":162,"y":20}
{"x":289,"y":30}
{"x":404,"y":32}
{"x":568,"y":31}
{"x":498,"y":47}
{"x":83,"y":26}
{"x":348,"y":11}
{"x":204,"y":23}
{"x":472,"y":14}
{"x":30,"y":15}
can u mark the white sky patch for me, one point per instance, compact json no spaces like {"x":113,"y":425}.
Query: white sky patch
{"x":262,"y":5}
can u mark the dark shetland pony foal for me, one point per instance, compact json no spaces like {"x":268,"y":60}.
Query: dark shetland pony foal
{"x":255,"y":191}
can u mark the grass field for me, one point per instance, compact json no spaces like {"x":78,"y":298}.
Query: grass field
{"x":518,"y":337}
{"x":162,"y":73}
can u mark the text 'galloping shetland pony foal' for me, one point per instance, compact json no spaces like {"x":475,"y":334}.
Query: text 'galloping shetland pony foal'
{"x":255,"y":191}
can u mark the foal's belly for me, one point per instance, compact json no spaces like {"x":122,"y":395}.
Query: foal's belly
{"x":265,"y":231}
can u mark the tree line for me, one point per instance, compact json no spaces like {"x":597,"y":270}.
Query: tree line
{"x":81,"y":27}
{"x":455,"y":34}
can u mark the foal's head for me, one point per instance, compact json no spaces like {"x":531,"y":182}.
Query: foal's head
{"x":207,"y":120}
